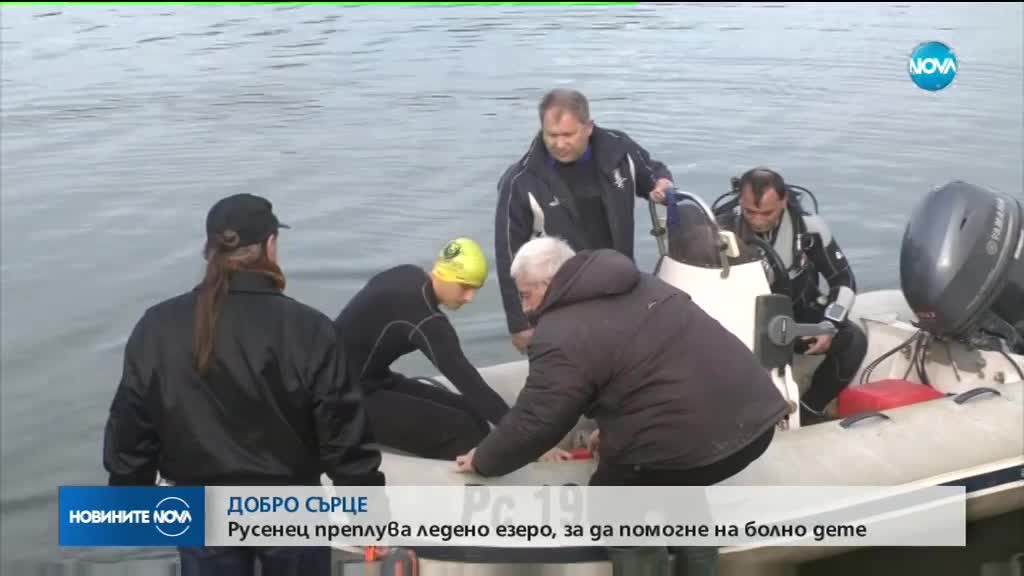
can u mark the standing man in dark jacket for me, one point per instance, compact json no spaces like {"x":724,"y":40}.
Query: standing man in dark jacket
{"x":234,"y":383}
{"x":678,"y":399}
{"x":809,"y":251}
{"x":578,"y":182}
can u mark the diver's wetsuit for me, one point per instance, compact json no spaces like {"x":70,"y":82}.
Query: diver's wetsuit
{"x":807,"y":247}
{"x":393,"y":315}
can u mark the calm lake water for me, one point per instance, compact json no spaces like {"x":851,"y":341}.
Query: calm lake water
{"x":380,"y":132}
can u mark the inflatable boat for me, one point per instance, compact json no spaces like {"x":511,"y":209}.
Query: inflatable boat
{"x":938,"y":400}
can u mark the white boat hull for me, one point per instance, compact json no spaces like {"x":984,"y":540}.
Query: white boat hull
{"x":978,"y":443}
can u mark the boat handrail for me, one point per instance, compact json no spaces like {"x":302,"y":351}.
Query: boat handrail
{"x":965,"y":396}
{"x":847,"y":422}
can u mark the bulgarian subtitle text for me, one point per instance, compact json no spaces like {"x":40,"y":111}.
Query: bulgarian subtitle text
{"x":530,"y":533}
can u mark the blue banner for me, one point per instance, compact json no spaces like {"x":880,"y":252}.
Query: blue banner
{"x":132,"y":516}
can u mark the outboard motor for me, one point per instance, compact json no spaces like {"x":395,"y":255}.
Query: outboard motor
{"x":962,"y":267}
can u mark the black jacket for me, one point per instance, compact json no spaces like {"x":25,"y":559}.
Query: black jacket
{"x":668,"y":385}
{"x":533,"y":201}
{"x":277,"y":406}
{"x":397,"y":313}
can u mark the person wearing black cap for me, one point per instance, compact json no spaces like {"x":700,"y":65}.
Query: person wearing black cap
{"x":234,"y":383}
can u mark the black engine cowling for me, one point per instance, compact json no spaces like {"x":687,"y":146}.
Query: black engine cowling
{"x":961,"y":263}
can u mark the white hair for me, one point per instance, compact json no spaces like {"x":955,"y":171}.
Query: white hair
{"x":539,"y":259}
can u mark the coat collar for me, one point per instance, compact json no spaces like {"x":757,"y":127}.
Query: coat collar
{"x":247,"y":281}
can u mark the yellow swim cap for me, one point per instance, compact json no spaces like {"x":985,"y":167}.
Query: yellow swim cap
{"x":462,"y":261}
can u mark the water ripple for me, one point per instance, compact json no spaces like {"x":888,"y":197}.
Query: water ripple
{"x":270,"y":32}
{"x":229,"y":23}
{"x":379,"y":132}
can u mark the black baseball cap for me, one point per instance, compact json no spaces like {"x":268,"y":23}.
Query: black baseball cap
{"x":250,"y":216}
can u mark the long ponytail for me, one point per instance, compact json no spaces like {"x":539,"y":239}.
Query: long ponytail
{"x":223,"y":258}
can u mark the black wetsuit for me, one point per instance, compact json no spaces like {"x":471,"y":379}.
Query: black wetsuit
{"x":397,"y":313}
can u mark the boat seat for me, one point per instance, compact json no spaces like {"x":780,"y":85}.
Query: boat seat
{"x":884,"y":395}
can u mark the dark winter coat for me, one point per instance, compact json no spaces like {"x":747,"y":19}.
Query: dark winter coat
{"x":668,"y":385}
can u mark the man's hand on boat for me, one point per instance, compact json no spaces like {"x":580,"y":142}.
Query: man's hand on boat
{"x":464,"y":463}
{"x":555,"y":455}
{"x":660,"y":188}
{"x":818,"y":344}
{"x":522,"y":339}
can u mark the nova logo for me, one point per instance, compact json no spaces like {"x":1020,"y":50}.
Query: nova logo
{"x":132,"y":516}
{"x":932,"y":66}
{"x":171,"y":517}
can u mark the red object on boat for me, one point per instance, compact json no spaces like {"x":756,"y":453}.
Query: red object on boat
{"x":883,"y":395}
{"x":581,"y":454}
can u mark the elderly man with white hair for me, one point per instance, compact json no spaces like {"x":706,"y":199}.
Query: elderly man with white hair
{"x":678,"y":399}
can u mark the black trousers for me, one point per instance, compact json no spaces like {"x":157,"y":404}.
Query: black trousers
{"x":422,"y":419}
{"x":843,"y":359}
{"x":241,"y":561}
{"x":701,"y":476}
{"x":690,"y":560}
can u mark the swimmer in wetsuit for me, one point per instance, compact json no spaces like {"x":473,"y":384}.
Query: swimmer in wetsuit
{"x":398,"y":312}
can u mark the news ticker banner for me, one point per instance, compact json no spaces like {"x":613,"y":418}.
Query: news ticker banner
{"x":512,"y":516}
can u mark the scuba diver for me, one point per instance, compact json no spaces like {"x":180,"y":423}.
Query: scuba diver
{"x":397,"y":312}
{"x":767,"y":208}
